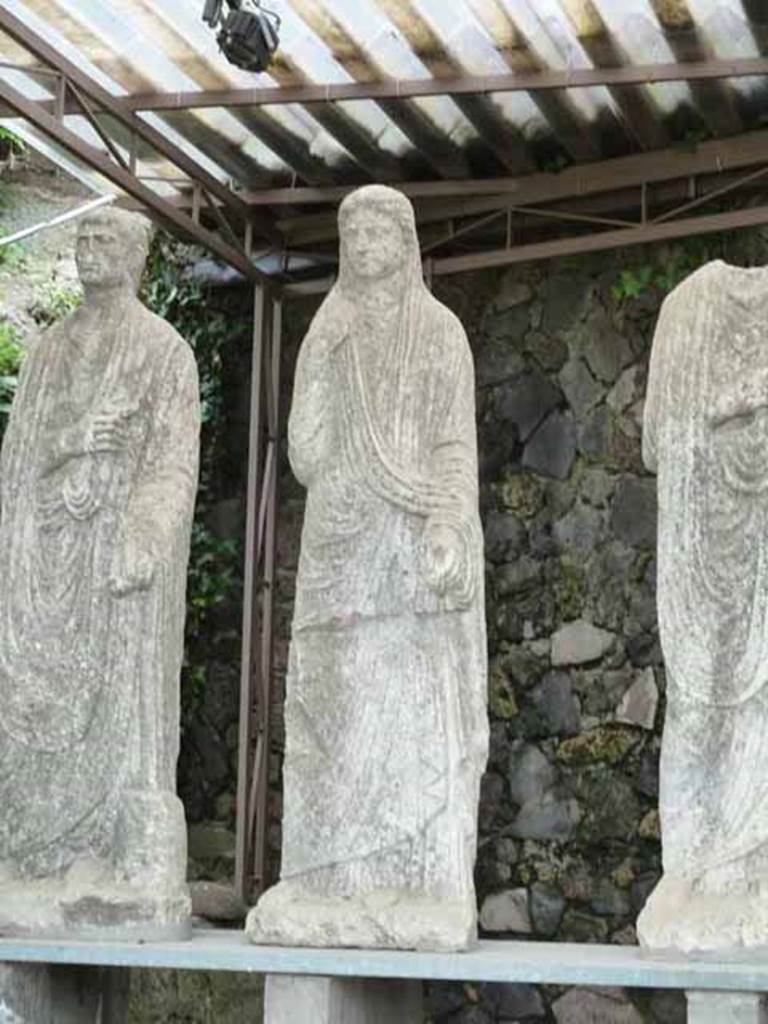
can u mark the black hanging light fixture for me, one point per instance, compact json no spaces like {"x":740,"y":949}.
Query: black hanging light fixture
{"x":248,"y":33}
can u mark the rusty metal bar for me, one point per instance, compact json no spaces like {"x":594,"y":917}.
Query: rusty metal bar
{"x":258,"y":604}
{"x":166,"y":212}
{"x":579,"y":180}
{"x":393,"y":88}
{"x":730,"y":187}
{"x":251,"y":655}
{"x":261,"y":878}
{"x":90,"y":115}
{"x":43,"y":51}
{"x":640,"y":235}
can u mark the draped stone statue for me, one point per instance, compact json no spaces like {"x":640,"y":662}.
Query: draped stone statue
{"x":706,"y":435}
{"x":97,"y":485}
{"x":386,"y":727}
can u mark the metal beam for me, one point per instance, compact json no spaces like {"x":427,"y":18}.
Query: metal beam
{"x":100,"y":162}
{"x":116,"y":106}
{"x":640,"y":235}
{"x":463,"y":85}
{"x":709,"y":157}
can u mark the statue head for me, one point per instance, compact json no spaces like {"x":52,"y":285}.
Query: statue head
{"x":112,"y":248}
{"x":377,"y":231}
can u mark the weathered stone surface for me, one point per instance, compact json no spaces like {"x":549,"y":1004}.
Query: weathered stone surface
{"x":605,"y":350}
{"x":512,"y":291}
{"x":579,"y":642}
{"x":518,"y":576}
{"x":553,"y":816}
{"x":552,"y":448}
{"x":580,"y":388}
{"x":633,"y":516}
{"x":514,"y":1001}
{"x":557,"y":705}
{"x":581,"y":529}
{"x":638,"y":705}
{"x":506,"y":912}
{"x":548,"y":351}
{"x":528,"y":401}
{"x":547,"y":906}
{"x":603,"y":744}
{"x":99,"y":471}
{"x":216,"y":902}
{"x":704,"y":433}
{"x":385,"y":712}
{"x":530,"y":773}
{"x":583,"y":1006}
{"x":505,"y":536}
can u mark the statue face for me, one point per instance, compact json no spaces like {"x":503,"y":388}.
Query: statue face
{"x":373,"y":244}
{"x":100,"y":254}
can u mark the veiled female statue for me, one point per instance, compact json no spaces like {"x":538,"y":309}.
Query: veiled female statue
{"x":386,"y":728}
{"x":706,"y":435}
{"x":97,"y":484}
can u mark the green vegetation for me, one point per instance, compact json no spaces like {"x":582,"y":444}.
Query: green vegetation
{"x":215,"y":567}
{"x":55,"y":304}
{"x":11,"y":355}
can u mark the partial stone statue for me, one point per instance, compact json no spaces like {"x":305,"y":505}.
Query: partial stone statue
{"x":97,"y":488}
{"x":706,"y":435}
{"x":386,"y":725}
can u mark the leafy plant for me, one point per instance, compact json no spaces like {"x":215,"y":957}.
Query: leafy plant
{"x":10,"y":143}
{"x":55,"y":304}
{"x":11,"y":355}
{"x":13,"y":256}
{"x":215,"y":565}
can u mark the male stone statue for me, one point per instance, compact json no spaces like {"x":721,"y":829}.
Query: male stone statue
{"x":386,"y":727}
{"x":706,"y":435}
{"x":98,"y":478}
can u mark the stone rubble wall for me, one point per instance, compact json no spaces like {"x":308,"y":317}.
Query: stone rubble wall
{"x":569,"y":844}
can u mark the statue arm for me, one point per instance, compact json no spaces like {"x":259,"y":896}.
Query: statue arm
{"x":452,"y":534}
{"x":159,"y":513}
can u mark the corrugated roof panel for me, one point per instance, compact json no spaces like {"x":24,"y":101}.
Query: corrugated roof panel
{"x":728,"y":33}
{"x":635,"y":27}
{"x":163,"y":45}
{"x":384,"y":47}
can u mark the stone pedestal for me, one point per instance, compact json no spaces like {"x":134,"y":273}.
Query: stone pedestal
{"x":726,"y":1008}
{"x":48,"y":994}
{"x":289,"y":999}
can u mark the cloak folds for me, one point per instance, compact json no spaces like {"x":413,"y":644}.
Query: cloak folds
{"x":88,"y":679}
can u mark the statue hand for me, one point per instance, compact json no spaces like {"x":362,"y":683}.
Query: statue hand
{"x":132,"y":569}
{"x":442,"y":557}
{"x":108,"y":432}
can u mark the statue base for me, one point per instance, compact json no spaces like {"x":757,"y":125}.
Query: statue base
{"x":54,"y":908}
{"x":385,"y":919}
{"x":680,"y":916}
{"x":138,"y":895}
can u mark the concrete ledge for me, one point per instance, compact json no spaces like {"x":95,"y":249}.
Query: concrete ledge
{"x":547,"y":963}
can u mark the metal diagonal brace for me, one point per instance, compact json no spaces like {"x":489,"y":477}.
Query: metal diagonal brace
{"x":167,"y":212}
{"x":48,"y":54}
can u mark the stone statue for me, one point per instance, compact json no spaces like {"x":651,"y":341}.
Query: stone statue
{"x":386,"y":727}
{"x":98,"y":479}
{"x":706,"y":435}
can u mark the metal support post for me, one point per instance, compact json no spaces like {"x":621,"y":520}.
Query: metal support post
{"x":258,"y":603}
{"x":46,"y":994}
{"x":289,"y":999}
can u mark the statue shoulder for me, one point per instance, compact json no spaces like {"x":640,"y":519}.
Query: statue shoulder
{"x":166,"y":340}
{"x":448,"y":333}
